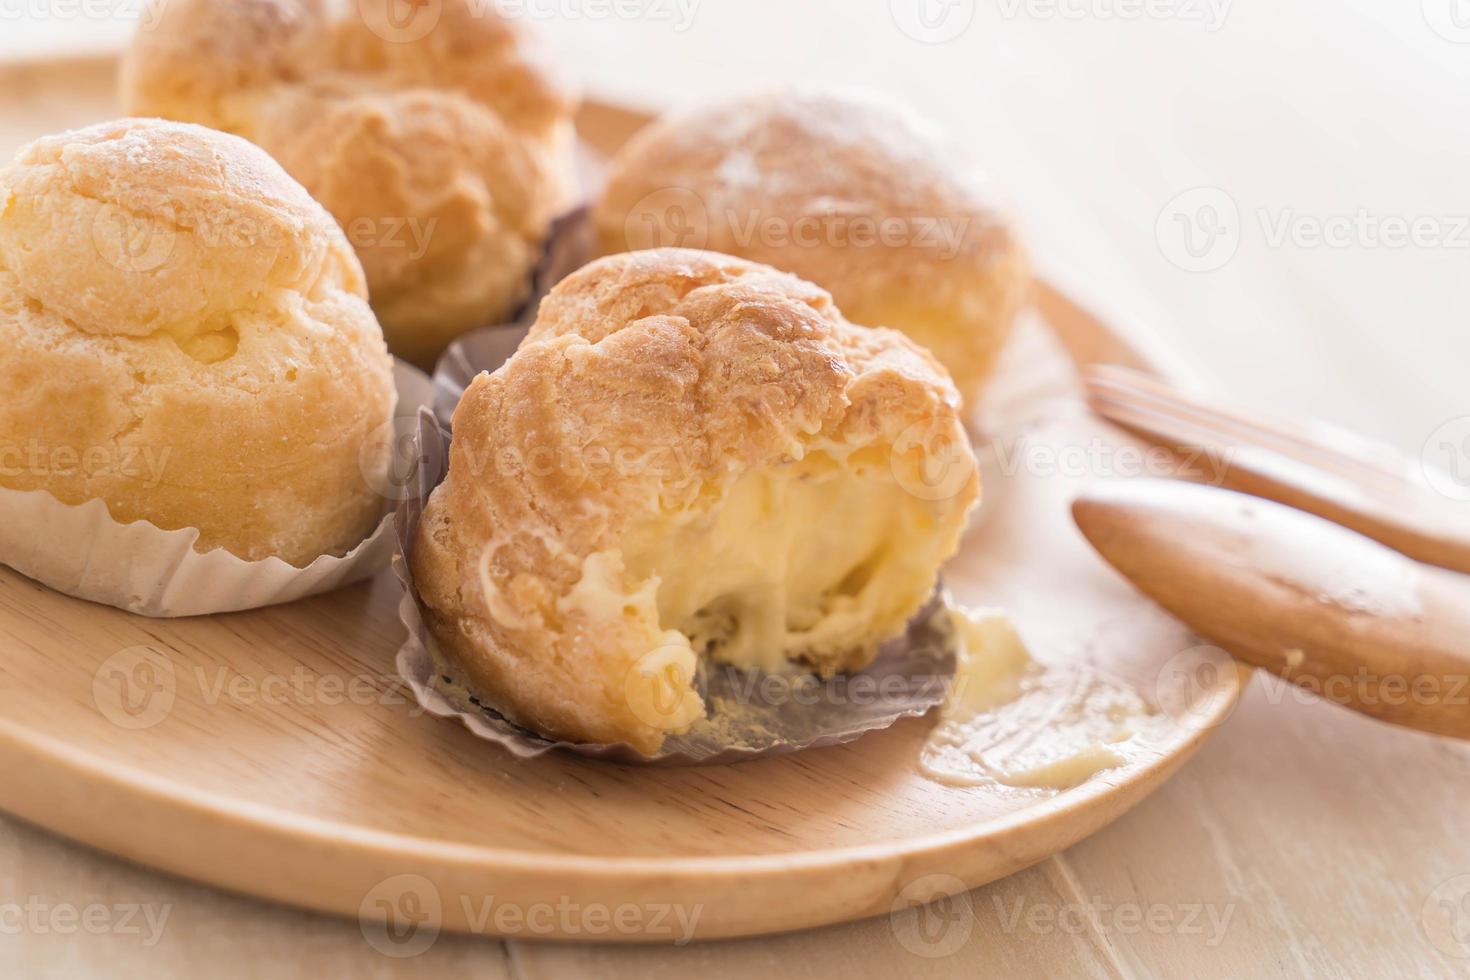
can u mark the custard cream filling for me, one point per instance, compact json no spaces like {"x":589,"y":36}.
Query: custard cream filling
{"x":817,"y":560}
{"x":1009,"y":722}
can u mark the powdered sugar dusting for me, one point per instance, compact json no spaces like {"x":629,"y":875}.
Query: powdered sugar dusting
{"x":739,"y":170}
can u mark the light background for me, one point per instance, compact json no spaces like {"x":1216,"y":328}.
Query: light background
{"x":1094,"y":120}
{"x":1326,"y":830}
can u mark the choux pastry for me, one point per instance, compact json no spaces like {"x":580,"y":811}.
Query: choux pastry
{"x":848,"y":191}
{"x":442,"y":141}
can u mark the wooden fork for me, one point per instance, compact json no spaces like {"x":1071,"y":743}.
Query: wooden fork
{"x":1310,"y":466}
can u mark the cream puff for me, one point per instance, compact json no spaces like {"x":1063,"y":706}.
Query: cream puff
{"x":185,"y":336}
{"x":855,"y":194}
{"x":439,"y":136}
{"x":691,"y":456}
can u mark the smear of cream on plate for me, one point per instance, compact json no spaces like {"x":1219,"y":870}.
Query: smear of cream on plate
{"x":1011,"y":722}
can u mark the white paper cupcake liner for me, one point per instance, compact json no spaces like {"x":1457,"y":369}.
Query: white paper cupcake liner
{"x":147,"y":570}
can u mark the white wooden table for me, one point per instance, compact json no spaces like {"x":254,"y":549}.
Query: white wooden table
{"x":1331,"y":145}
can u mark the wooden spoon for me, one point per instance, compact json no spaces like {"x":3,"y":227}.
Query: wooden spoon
{"x":1317,"y":604}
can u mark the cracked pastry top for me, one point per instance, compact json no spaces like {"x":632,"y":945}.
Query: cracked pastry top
{"x":849,"y":191}
{"x":185,"y":335}
{"x":690,"y":456}
{"x":439,"y":135}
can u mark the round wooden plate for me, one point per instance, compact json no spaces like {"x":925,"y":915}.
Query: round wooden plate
{"x":275,"y":753}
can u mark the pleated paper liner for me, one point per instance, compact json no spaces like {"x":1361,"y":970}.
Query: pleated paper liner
{"x":82,"y":551}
